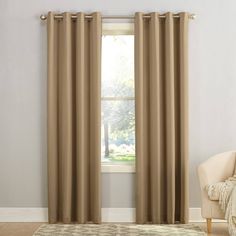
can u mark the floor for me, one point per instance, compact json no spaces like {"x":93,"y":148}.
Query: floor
{"x":27,"y":229}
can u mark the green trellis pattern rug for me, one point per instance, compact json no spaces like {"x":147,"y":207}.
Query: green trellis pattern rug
{"x":118,"y":230}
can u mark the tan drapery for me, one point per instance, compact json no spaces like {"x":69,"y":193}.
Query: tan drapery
{"x":161,"y":118}
{"x":74,"y":53}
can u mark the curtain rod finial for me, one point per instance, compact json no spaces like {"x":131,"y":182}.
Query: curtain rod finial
{"x":192,"y":16}
{"x":43,"y":17}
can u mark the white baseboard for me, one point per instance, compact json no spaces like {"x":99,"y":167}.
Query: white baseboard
{"x":118,"y":215}
{"x":108,"y":215}
{"x":195,"y":215}
{"x":19,"y":214}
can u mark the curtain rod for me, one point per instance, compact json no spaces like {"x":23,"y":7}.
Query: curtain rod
{"x":74,"y":16}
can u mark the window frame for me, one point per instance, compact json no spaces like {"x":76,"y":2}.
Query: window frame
{"x":117,"y":29}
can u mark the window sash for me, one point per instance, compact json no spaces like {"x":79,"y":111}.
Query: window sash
{"x":117,"y":98}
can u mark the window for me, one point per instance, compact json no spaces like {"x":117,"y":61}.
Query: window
{"x":118,"y":113}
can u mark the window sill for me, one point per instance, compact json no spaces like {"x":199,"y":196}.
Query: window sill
{"x":118,"y":168}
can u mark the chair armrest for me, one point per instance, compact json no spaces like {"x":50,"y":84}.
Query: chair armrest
{"x":217,"y":168}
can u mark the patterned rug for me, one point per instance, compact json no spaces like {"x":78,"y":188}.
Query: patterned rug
{"x":117,"y":230}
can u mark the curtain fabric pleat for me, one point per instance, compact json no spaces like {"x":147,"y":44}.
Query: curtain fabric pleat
{"x":161,"y":89}
{"x":74,"y":87}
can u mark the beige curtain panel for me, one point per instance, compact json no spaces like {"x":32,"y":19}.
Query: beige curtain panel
{"x":161,"y":86}
{"x":74,"y":64}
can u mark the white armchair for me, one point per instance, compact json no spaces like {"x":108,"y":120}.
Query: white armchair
{"x":215,"y":169}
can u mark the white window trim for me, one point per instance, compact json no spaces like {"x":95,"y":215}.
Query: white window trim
{"x":118,"y":29}
{"x":118,"y":168}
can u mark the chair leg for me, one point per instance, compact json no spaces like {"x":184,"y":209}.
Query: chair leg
{"x":208,"y":225}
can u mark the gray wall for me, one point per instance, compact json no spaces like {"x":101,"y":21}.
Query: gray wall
{"x":212,"y":85}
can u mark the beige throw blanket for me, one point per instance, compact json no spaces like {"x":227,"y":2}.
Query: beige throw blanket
{"x":225,"y":193}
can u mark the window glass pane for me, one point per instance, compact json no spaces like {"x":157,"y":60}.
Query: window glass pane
{"x":118,"y":131}
{"x":118,"y":66}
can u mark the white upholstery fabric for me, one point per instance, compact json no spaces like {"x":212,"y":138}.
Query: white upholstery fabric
{"x":215,"y":169}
